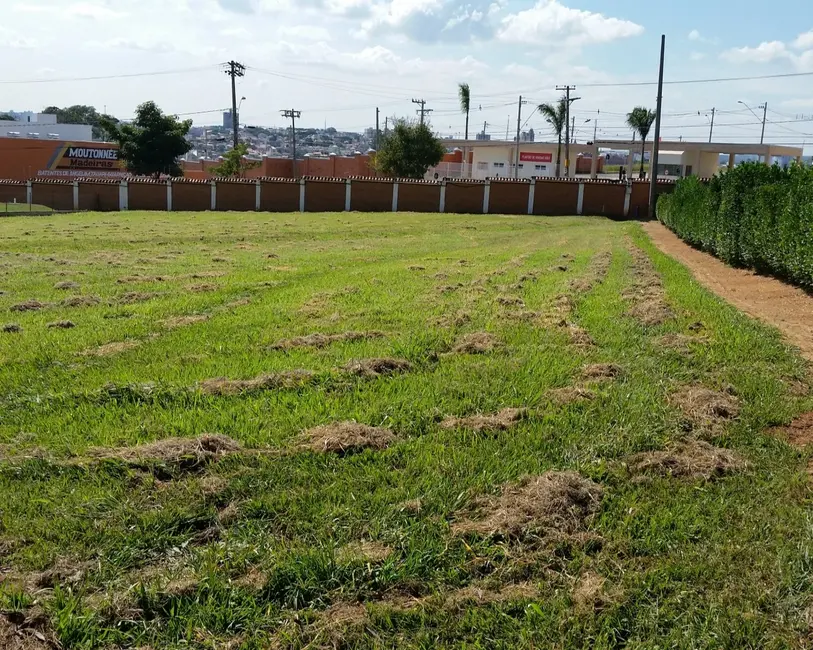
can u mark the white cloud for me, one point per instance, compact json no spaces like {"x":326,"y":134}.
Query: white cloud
{"x":552,"y":21}
{"x":697,"y":56}
{"x":694,"y":35}
{"x":304,"y":33}
{"x":13,"y":39}
{"x":763,"y":53}
{"x":804,"y":41}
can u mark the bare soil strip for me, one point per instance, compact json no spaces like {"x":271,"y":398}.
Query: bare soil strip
{"x":785,"y":307}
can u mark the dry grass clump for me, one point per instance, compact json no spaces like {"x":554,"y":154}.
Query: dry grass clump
{"x":510,"y":301}
{"x":483,"y":594}
{"x":61,"y":324}
{"x":798,"y":433}
{"x":693,"y":459}
{"x":376,"y":367}
{"x":366,"y":550}
{"x":504,"y":419}
{"x":678,"y":342}
{"x":323,"y":340}
{"x":653,"y":311}
{"x":601,"y":371}
{"x":66,"y":285}
{"x":571,"y":395}
{"x":203,"y":287}
{"x":578,"y":336}
{"x":26,"y":631}
{"x":132,"y":297}
{"x":706,"y":406}
{"x":477,"y":343}
{"x":109,"y":349}
{"x":287,"y":379}
{"x":11,"y":328}
{"x":416,"y":267}
{"x":28,"y":305}
{"x":134,"y":279}
{"x":184,"y":452}
{"x":590,"y":593}
{"x":81,"y":301}
{"x":555,"y":504}
{"x":347,"y":437}
{"x":183,"y":321}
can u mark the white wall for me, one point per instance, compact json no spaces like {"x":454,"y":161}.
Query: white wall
{"x":74,"y":132}
{"x":486,"y":157}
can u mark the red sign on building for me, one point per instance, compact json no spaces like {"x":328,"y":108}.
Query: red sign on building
{"x":535,"y":157}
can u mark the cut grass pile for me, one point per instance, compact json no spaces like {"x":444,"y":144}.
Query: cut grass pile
{"x":355,"y":431}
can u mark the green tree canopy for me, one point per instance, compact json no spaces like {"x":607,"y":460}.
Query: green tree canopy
{"x":6,"y":116}
{"x":556,"y":116}
{"x":408,"y":150}
{"x":80,"y":114}
{"x":234,"y":163}
{"x":152,"y":143}
{"x":464,"y":95}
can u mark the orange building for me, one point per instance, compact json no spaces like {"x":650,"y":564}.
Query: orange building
{"x":22,"y":159}
{"x":331,"y":167}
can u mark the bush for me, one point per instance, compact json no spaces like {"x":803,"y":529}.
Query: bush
{"x":753,"y":215}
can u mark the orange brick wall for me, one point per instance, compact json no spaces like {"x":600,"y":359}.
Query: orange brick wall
{"x":279,"y":196}
{"x":10,"y":192}
{"x":103,"y":197}
{"x":58,"y":196}
{"x":191,"y":196}
{"x":370,"y":196}
{"x":418,"y":197}
{"x":233,"y":195}
{"x":324,"y":196}
{"x":508,"y":198}
{"x":465,"y":198}
{"x":604,"y":199}
{"x":146,"y":196}
{"x":556,"y":197}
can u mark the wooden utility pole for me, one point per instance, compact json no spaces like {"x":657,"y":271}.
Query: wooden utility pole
{"x":569,"y":101}
{"x":422,"y":111}
{"x":653,"y":159}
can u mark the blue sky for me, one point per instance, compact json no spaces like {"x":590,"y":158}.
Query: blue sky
{"x":336,"y":60}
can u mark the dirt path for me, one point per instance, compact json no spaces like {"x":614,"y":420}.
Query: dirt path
{"x":785,"y":307}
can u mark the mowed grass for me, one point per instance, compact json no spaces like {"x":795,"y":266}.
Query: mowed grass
{"x":13,"y":208}
{"x":281,"y":545}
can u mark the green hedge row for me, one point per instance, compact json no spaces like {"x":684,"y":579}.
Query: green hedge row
{"x":753,"y":215}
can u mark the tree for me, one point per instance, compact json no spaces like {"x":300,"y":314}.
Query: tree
{"x":234,"y":163}
{"x":556,"y":116}
{"x":408,"y":150}
{"x":464,"y":93}
{"x":7,"y":117}
{"x":640,"y":120}
{"x":80,"y":114}
{"x":152,"y":143}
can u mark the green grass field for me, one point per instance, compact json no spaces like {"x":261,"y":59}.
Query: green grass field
{"x":634,"y":499}
{"x":13,"y":208}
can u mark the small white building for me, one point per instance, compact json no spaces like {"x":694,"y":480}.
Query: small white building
{"x":43,"y":126}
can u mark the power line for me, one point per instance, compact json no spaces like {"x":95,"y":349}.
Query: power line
{"x":105,"y":77}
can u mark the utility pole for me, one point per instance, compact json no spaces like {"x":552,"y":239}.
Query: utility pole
{"x":569,"y":101}
{"x":422,"y":111}
{"x":711,"y":128}
{"x":507,"y":127}
{"x":595,"y":126}
{"x":573,"y":130}
{"x":653,"y":160}
{"x":386,"y":125}
{"x":519,"y":125}
{"x":377,"y":129}
{"x":293,"y":114}
{"x":764,"y":119}
{"x":234,"y":70}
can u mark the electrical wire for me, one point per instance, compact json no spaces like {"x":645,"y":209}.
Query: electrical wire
{"x":106,"y":77}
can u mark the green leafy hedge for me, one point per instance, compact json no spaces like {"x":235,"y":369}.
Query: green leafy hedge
{"x":753,"y":215}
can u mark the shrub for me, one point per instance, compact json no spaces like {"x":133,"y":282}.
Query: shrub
{"x":753,"y":215}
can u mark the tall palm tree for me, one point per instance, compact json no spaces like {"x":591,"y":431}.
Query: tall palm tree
{"x":556,"y":116}
{"x":464,"y":94}
{"x":640,"y":120}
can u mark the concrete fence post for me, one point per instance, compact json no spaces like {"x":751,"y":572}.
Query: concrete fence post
{"x":302,"y":195}
{"x":395,"y":196}
{"x":580,"y":200}
{"x":531,"y":193}
{"x":29,"y":193}
{"x":76,"y":196}
{"x":124,"y":196}
{"x":258,"y":188}
{"x":486,"y":196}
{"x":442,"y":206}
{"x":169,"y":196}
{"x":627,"y":198}
{"x":213,"y":203}
{"x":348,"y":184}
